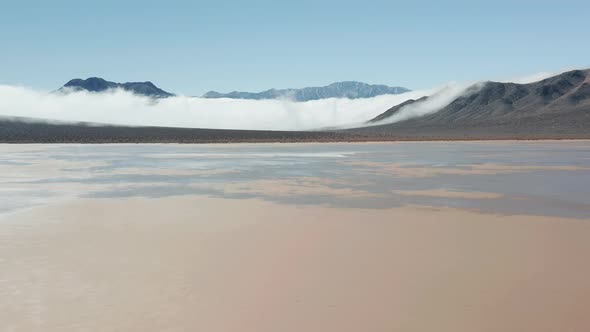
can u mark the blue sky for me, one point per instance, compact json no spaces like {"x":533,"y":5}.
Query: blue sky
{"x":191,"y":47}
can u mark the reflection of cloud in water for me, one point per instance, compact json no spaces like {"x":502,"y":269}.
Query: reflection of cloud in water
{"x":244,"y":155}
{"x":365,"y":175}
{"x":38,"y":169}
{"x":292,"y":187}
{"x":449,"y":194}
{"x":170,"y":171}
{"x":418,"y":171}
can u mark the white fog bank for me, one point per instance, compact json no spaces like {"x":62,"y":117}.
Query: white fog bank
{"x":124,"y":108}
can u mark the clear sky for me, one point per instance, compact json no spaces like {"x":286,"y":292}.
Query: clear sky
{"x":191,"y":47}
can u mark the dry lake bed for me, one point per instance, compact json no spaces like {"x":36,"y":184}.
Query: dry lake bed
{"x":440,"y":236}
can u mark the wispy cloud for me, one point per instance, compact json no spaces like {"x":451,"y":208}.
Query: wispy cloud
{"x":437,"y":99}
{"x":531,"y":78}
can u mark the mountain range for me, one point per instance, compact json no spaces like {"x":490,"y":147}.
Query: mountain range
{"x":350,"y":90}
{"x":559,"y":104}
{"x":96,"y":84}
{"x":554,"y":108}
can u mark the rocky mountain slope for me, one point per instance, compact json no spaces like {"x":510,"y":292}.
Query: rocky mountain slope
{"x":96,"y":84}
{"x":557,"y":104}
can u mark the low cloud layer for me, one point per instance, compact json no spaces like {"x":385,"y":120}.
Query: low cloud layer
{"x":124,"y":108}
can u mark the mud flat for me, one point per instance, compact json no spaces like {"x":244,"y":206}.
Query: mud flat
{"x":193,"y":263}
{"x":488,"y":236}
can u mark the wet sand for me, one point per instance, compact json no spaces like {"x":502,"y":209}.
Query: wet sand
{"x":205,"y":264}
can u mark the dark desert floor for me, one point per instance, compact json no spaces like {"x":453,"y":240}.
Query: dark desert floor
{"x":24,"y":130}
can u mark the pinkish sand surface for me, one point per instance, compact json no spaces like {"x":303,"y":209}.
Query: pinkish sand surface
{"x":208,"y":264}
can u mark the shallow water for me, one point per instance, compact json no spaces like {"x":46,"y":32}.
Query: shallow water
{"x":533,"y":178}
{"x":450,"y":237}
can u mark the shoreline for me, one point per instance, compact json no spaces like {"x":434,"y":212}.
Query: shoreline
{"x":20,"y":132}
{"x":300,"y":141}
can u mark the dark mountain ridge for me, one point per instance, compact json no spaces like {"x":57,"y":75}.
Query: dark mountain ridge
{"x":96,"y":84}
{"x":350,"y":90}
{"x":559,"y":103}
